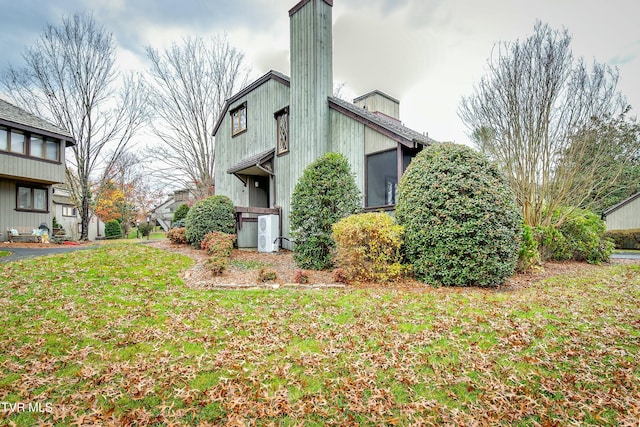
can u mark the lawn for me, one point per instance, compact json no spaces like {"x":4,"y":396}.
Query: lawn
{"x":112,"y":336}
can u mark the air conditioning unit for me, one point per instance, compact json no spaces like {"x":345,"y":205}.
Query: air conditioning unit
{"x":268,"y":232}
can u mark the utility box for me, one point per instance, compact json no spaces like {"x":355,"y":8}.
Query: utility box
{"x":268,"y":233}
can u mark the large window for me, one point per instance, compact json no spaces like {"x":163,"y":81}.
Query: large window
{"x":382,"y":178}
{"x":32,"y":199}
{"x":239,"y":119}
{"x":282,"y":120}
{"x":15,"y":141}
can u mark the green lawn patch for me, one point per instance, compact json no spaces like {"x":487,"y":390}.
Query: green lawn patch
{"x":112,"y":335}
{"x":4,"y":253}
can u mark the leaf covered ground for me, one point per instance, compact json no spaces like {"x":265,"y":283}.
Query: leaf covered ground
{"x":112,"y":336}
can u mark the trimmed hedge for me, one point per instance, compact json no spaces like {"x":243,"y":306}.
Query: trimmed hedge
{"x":462,"y":225}
{"x":215,"y":213}
{"x":368,"y":247}
{"x":325,"y":193}
{"x":112,"y":229}
{"x":624,"y":239}
{"x":181,"y":212}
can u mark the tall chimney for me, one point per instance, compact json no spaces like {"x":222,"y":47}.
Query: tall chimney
{"x":311,"y":81}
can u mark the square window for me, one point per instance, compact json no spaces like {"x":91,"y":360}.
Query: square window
{"x":24,"y":198}
{"x":32,"y":199}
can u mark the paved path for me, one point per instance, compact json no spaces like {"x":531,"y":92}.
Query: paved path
{"x":22,"y":253}
{"x":626,"y":255}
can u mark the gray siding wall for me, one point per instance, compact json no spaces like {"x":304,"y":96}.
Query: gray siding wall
{"x":347,"y":136}
{"x":9,"y":217}
{"x":260,"y":136}
{"x":625,"y":218}
{"x":31,"y":169}
{"x":375,"y":142}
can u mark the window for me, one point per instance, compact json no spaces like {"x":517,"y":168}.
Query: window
{"x":17,"y":142}
{"x":36,"y":147}
{"x":52,"y":150}
{"x":4,"y":139}
{"x":32,"y":199}
{"x":382,"y":178}
{"x":239,"y":119}
{"x":282,"y":120}
{"x":69,"y":211}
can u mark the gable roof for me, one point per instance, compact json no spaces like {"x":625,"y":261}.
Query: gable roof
{"x":271,"y":75}
{"x":13,"y":116}
{"x":391,"y":128}
{"x":621,"y":204}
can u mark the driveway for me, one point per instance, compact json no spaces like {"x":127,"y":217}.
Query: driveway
{"x":626,"y":255}
{"x":22,"y":253}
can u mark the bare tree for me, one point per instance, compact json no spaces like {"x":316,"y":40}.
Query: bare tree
{"x":190,"y":83}
{"x":541,"y":115}
{"x":70,"y":78}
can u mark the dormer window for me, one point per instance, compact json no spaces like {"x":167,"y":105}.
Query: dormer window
{"x":282,"y":123}
{"x":239,"y":119}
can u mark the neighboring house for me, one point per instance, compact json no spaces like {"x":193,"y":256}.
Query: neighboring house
{"x":625,"y":215}
{"x":163,"y":213}
{"x":68,"y":216}
{"x":270,"y":131}
{"x":32,"y":159}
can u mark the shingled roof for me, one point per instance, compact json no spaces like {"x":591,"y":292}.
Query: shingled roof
{"x":13,"y":116}
{"x":391,"y":128}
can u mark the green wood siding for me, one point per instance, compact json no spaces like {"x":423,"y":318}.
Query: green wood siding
{"x":626,"y":217}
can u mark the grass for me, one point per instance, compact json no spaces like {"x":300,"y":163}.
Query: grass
{"x":4,"y":253}
{"x":626,"y":251}
{"x":112,"y":336}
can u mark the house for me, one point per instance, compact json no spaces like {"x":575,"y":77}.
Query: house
{"x":32,"y":159}
{"x":625,"y":215}
{"x":67,"y":215}
{"x":270,"y":131}
{"x":163,"y":213}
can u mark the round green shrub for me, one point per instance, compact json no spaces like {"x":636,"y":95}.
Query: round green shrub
{"x":215,"y":213}
{"x":181,"y":212}
{"x":462,"y":225}
{"x":529,"y":255}
{"x":325,"y":193}
{"x":112,"y":230}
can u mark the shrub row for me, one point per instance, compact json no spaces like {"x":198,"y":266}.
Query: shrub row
{"x":624,"y":239}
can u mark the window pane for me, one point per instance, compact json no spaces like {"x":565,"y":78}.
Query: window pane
{"x":40,"y":199}
{"x":37,"y":146}
{"x":382,"y":178}
{"x":17,"y":142}
{"x":3,"y":139}
{"x":24,"y":198}
{"x":52,"y":150}
{"x":243,"y":118}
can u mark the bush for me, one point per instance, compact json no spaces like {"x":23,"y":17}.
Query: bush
{"x":529,"y":256}
{"x":215,"y":213}
{"x":181,"y":212}
{"x":216,"y":264}
{"x":462,"y":226}
{"x":112,"y":230}
{"x":145,"y":229}
{"x":178,"y":224}
{"x":266,"y":275}
{"x":325,"y":193}
{"x":301,"y":277}
{"x":339,"y":275}
{"x":368,"y":247}
{"x":579,"y":236}
{"x":218,"y":243}
{"x":624,"y":239}
{"x":177,"y":235}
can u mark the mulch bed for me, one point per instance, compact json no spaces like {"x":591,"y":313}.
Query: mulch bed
{"x":282,"y":263}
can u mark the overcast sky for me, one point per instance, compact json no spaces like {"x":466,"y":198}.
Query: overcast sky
{"x":426,"y":53}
